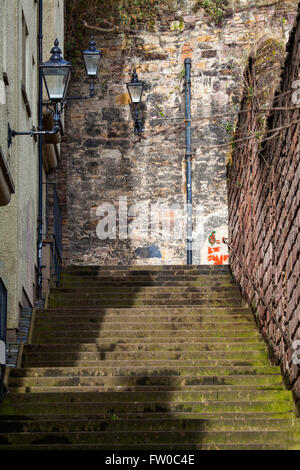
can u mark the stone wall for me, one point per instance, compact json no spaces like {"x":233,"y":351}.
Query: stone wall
{"x":103,"y":160}
{"x":264,"y":211}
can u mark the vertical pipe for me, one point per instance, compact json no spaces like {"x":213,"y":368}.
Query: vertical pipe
{"x":188,"y":156}
{"x":40,"y":146}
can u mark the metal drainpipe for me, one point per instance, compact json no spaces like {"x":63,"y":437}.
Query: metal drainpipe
{"x":188,"y":156}
{"x":40,"y":146}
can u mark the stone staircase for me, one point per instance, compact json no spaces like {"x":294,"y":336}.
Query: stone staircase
{"x":147,"y":358}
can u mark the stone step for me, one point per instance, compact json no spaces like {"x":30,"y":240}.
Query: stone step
{"x":136,"y":363}
{"x":136,"y":347}
{"x":206,"y":279}
{"x":223,"y":282}
{"x":141,"y":336}
{"x":134,"y":396}
{"x":205,"y":269}
{"x":183,"y":301}
{"x":128,"y":326}
{"x":122,"y":356}
{"x":211,"y":289}
{"x":190,"y":293}
{"x":151,"y":437}
{"x":59,"y":407}
{"x":145,"y":371}
{"x":83,"y":389}
{"x":157,"y":416}
{"x":41,"y":424}
{"x":145,"y":292}
{"x":136,"y":341}
{"x":84,"y":378}
{"x":174,"y":319}
{"x":143,"y":311}
{"x":57,"y":379}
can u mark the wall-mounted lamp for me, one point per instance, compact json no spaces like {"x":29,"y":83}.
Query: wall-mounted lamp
{"x":135,"y":89}
{"x":92,"y":60}
{"x":56,"y":74}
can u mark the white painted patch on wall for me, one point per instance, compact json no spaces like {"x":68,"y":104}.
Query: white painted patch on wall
{"x":213,"y":250}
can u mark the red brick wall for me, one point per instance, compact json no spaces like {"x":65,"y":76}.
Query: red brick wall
{"x":264,"y":213}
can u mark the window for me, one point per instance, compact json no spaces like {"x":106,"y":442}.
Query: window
{"x":25,"y":37}
{"x":25,"y":65}
{"x":4,"y":38}
{"x":3,"y":315}
{"x":3,"y":311}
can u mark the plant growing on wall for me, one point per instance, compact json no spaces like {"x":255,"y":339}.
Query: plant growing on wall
{"x":215,"y":9}
{"x":112,"y":16}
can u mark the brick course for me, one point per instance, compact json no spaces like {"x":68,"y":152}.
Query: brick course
{"x":268,"y":201}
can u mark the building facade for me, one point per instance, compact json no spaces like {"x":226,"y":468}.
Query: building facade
{"x":19,"y":161}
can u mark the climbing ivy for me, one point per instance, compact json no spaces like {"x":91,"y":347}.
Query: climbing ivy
{"x":216,"y":9}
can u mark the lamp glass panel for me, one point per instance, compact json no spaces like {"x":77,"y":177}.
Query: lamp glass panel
{"x":135,"y":92}
{"x":57,"y":80}
{"x":92,"y":62}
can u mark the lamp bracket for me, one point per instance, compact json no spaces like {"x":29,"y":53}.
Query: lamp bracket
{"x":12,"y":133}
{"x":138,"y":125}
{"x":91,"y":95}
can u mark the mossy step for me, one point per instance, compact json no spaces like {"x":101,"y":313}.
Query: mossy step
{"x":135,"y":302}
{"x":146,"y":268}
{"x":90,"y":388}
{"x":156,"y":416}
{"x":136,"y":341}
{"x":151,"y":347}
{"x":147,"y":326}
{"x":86,"y":294}
{"x":151,"y":363}
{"x":115,"y":424}
{"x":205,"y":279}
{"x":144,"y":407}
{"x":152,"y":437}
{"x":140,"y":282}
{"x":148,"y":290}
{"x":145,"y":292}
{"x":88,"y":378}
{"x":134,"y":396}
{"x":144,"y":311}
{"x":145,"y":371}
{"x":145,"y":355}
{"x":150,"y":335}
{"x":175,"y":319}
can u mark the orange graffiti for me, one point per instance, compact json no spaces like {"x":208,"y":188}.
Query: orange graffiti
{"x":213,"y":250}
{"x":218,"y":259}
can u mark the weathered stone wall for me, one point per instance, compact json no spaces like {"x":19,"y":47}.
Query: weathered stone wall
{"x":264,"y":212}
{"x":103,"y":159}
